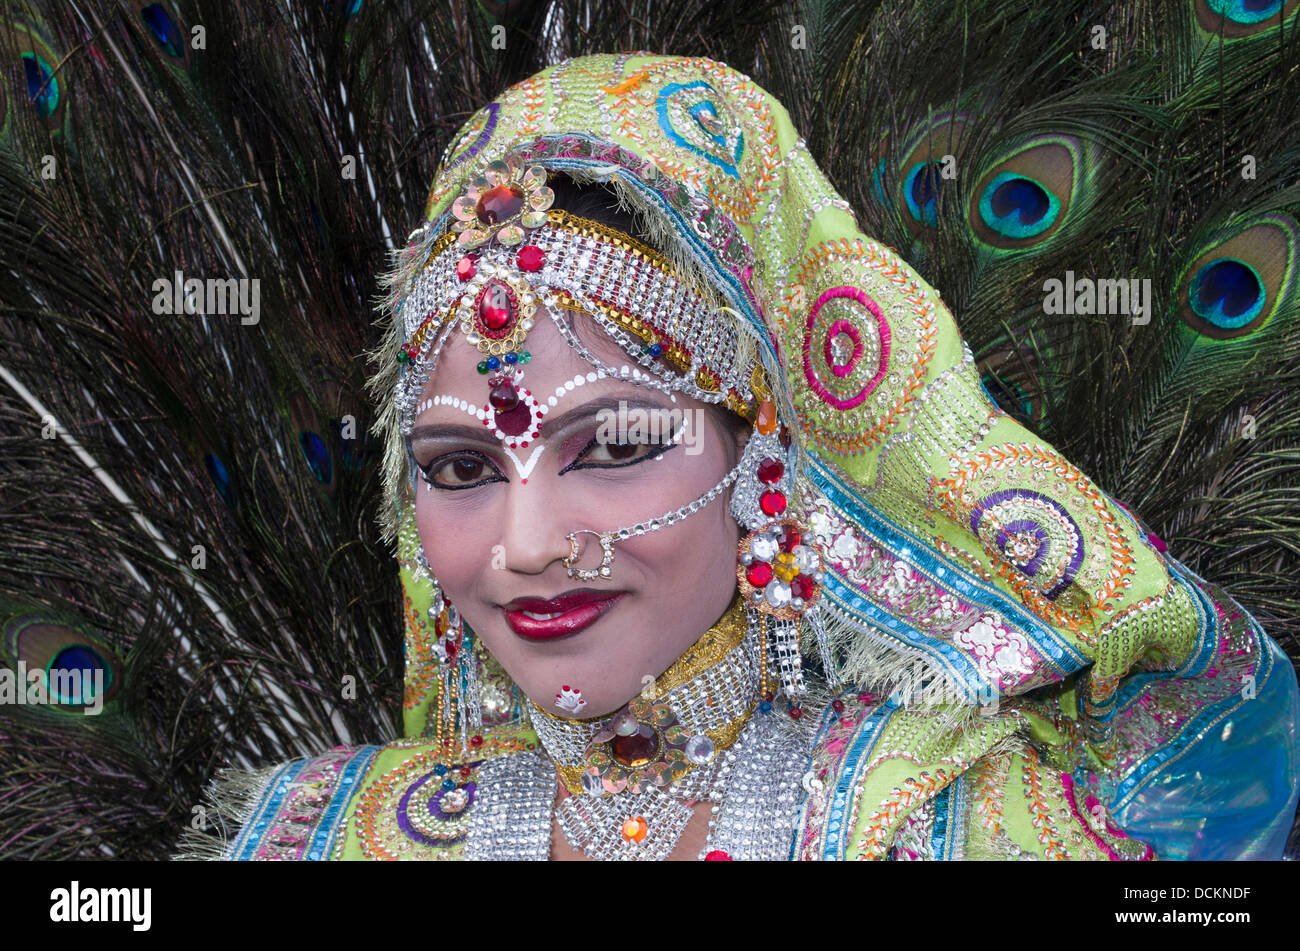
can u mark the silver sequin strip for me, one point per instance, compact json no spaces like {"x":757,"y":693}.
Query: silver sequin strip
{"x":511,"y":815}
{"x":760,"y":806}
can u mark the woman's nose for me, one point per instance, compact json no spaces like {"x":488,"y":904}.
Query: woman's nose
{"x":535,"y":520}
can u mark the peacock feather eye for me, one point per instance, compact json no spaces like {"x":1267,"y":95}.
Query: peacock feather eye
{"x":1234,"y":19}
{"x":78,"y":666}
{"x":928,"y":169}
{"x":1237,"y":282}
{"x":317,"y":434}
{"x":164,"y":29}
{"x":42,"y":84}
{"x":1018,"y":207}
{"x":317,"y":456}
{"x":1023,"y":200}
{"x":1226,"y":293}
{"x":921,"y":184}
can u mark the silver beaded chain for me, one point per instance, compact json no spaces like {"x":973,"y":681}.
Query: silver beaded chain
{"x":607,"y":539}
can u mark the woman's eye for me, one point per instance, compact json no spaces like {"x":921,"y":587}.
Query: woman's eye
{"x":613,"y":454}
{"x":459,"y":472}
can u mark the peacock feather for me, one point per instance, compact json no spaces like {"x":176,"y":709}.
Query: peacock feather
{"x":189,"y":489}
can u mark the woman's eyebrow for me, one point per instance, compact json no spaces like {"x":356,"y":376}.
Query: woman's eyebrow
{"x":551,"y":425}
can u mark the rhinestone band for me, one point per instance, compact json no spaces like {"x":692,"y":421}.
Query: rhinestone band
{"x":630,"y":290}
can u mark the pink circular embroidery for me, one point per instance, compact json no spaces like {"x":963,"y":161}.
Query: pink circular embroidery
{"x":837,"y":328}
{"x":845,"y":326}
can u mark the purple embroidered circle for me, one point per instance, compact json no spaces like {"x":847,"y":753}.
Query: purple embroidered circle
{"x":440,"y":819}
{"x":1021,"y":524}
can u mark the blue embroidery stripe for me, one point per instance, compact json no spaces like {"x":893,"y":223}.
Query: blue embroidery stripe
{"x":251,"y":835}
{"x":839,"y":824}
{"x":329,"y":826}
{"x":944,"y":802}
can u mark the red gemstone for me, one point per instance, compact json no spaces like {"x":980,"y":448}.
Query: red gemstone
{"x":770,"y":470}
{"x":515,"y":422}
{"x":795,"y":713}
{"x":717,"y":855}
{"x":530,"y":258}
{"x":790,"y":538}
{"x":837,"y":705}
{"x":495,"y":308}
{"x":466,"y":268}
{"x":476,"y":740}
{"x":772,"y":503}
{"x":499,"y":204}
{"x":503,"y":397}
{"x":759,"y":574}
{"x":465,"y":771}
{"x":802,"y":586}
{"x":637,"y":749}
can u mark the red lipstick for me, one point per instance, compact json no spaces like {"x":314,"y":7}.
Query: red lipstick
{"x":560,"y":616}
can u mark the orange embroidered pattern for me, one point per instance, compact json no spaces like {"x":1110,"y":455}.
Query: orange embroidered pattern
{"x":955,"y":497}
{"x":926,"y":328}
{"x":1040,"y":812}
{"x":889,"y":816}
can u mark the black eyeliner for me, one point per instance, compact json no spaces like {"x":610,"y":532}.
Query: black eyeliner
{"x":429,"y":468}
{"x":662,"y":447}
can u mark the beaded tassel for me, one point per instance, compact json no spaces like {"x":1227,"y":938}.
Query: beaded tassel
{"x":471,"y":705}
{"x":789,"y":664}
{"x":780,"y":639}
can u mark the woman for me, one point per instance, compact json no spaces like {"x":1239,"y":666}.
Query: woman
{"x":767,"y":430}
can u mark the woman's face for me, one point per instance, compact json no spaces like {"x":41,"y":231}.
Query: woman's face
{"x":493,"y":522}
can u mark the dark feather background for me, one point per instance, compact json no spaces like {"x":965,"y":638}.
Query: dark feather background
{"x":189,"y":503}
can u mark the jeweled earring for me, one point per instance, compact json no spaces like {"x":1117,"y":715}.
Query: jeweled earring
{"x":779,"y":568}
{"x":460,"y":704}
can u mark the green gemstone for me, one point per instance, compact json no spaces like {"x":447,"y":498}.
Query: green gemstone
{"x":403,"y":356}
{"x":524,"y":356}
{"x":482,"y":366}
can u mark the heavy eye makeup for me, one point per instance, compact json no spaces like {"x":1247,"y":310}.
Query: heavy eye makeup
{"x":470,"y":468}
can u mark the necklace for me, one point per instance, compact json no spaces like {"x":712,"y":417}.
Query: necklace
{"x":690,"y":736}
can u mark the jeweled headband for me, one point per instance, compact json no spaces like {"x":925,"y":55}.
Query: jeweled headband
{"x":507,"y":253}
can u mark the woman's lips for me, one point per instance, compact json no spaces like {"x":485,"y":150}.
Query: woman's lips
{"x":558,"y":617}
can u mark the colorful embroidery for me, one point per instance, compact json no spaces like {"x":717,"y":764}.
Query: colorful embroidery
{"x":850,"y":336}
{"x":881,"y":823}
{"x":1013,"y":523}
{"x":849,"y":421}
{"x":1040,"y":811}
{"x":298,"y":816}
{"x":420,"y":809}
{"x":1095,"y":822}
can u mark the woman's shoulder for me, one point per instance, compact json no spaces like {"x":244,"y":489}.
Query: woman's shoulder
{"x":409,"y":799}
